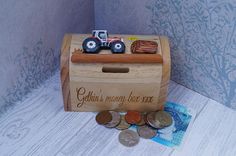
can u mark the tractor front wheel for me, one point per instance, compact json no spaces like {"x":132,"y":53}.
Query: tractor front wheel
{"x":91,"y":45}
{"x":117,"y":47}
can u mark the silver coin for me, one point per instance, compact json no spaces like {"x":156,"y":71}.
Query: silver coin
{"x":168,"y":129}
{"x":128,"y":138}
{"x":163,"y":118}
{"x":146,"y":132}
{"x":150,"y":118}
{"x":115,"y":120}
{"x":159,"y":119}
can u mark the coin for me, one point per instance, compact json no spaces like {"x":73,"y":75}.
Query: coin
{"x":133,"y":117}
{"x":115,"y":120}
{"x":168,"y":129}
{"x":150,"y":119}
{"x":164,"y":118}
{"x":103,"y":117}
{"x":142,"y":121}
{"x":123,"y":124}
{"x":159,"y":119}
{"x":128,"y":138}
{"x":145,"y":119}
{"x":146,"y":132}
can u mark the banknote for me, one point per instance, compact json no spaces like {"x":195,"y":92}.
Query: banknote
{"x":174,"y":134}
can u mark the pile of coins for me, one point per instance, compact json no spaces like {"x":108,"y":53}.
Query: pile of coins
{"x":147,"y":124}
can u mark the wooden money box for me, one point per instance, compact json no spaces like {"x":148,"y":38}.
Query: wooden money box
{"x":121,"y":86}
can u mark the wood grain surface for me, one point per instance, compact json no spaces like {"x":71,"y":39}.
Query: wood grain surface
{"x":116,"y":58}
{"x":64,"y":68}
{"x":166,"y":68}
{"x":146,"y":76}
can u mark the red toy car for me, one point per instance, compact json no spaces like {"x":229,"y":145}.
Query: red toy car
{"x":100,"y":39}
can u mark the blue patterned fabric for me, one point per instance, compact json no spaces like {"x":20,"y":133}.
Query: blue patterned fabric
{"x":202,"y":35}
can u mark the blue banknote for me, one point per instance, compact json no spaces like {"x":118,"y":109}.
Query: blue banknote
{"x":173,"y":135}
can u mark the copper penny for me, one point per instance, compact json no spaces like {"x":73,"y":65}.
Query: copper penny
{"x":133,"y":117}
{"x":103,"y":117}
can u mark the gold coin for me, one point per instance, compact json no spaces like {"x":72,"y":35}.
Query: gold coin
{"x":142,"y":121}
{"x":123,"y":124}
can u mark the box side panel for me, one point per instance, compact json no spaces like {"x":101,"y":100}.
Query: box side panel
{"x":64,"y":67}
{"x":166,"y":68}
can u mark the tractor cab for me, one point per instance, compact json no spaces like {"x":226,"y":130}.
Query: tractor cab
{"x":102,"y":35}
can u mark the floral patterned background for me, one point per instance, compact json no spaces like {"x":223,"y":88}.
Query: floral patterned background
{"x":31,"y":35}
{"x":202,"y":35}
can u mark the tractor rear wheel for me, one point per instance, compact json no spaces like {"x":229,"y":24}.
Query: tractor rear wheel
{"x":91,"y":45}
{"x":117,"y":47}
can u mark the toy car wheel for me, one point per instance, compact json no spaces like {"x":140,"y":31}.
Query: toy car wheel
{"x":91,"y":45}
{"x":117,"y":47}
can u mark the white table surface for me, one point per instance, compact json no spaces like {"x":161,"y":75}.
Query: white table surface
{"x":39,"y":126}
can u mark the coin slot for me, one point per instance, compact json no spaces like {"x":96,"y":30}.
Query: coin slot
{"x":115,"y":70}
